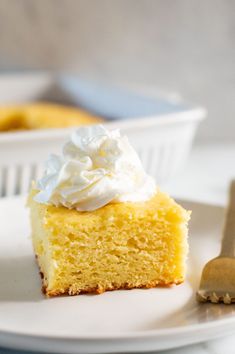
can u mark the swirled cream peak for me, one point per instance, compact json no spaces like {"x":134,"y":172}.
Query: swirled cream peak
{"x":97,"y":167}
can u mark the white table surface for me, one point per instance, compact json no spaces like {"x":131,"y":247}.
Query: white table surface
{"x":204,"y":178}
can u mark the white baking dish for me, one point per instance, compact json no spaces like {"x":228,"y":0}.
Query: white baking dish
{"x":161,"y":131}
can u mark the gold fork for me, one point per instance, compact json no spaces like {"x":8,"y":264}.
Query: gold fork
{"x":218,"y":276}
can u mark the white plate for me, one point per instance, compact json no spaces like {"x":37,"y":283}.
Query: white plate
{"x":120,"y":321}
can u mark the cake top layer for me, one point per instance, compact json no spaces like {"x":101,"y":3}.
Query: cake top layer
{"x":97,"y":167}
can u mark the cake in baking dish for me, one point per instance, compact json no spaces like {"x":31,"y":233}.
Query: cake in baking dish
{"x":99,"y":222}
{"x":43,"y":116}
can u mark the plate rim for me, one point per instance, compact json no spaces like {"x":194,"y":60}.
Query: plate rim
{"x":137,"y":334}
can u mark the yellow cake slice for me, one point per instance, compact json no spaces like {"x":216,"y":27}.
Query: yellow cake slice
{"x":43,"y":116}
{"x":118,"y":246}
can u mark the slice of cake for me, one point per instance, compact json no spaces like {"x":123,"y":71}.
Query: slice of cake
{"x":99,"y":222}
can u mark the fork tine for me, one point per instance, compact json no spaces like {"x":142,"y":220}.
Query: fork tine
{"x":214,"y":297}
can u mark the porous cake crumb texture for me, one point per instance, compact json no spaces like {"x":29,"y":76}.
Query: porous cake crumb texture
{"x":124,"y":245}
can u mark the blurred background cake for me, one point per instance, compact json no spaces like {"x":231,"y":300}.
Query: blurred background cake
{"x":43,"y":116}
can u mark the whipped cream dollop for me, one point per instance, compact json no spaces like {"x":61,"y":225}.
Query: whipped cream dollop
{"x":97,"y":167}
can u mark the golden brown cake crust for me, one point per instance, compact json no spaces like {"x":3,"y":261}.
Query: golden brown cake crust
{"x":99,"y":290}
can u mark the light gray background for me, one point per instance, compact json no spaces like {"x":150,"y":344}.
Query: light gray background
{"x":187,"y":46}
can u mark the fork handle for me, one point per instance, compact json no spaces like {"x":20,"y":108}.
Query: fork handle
{"x":228,"y":242}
